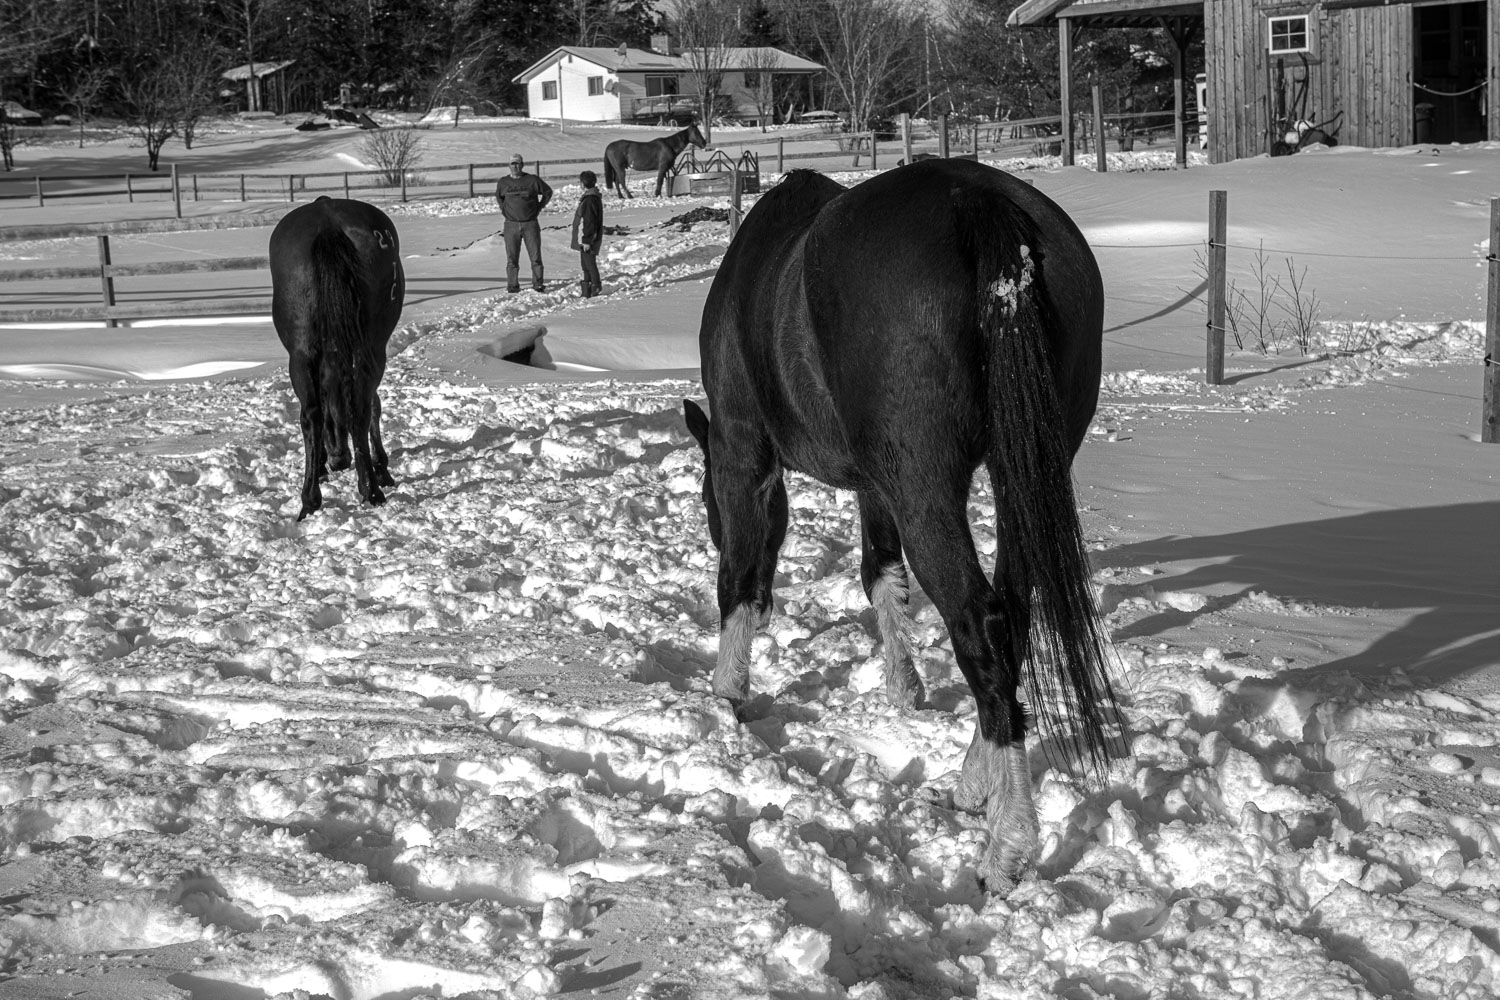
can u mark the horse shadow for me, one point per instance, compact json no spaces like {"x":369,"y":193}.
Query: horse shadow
{"x":1438,"y":562}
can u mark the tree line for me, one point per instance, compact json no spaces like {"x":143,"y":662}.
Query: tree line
{"x":158,"y":64}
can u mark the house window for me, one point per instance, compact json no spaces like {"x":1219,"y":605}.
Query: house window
{"x":1288,"y":34}
{"x":661,"y":86}
{"x":549,"y":90}
{"x":596,"y":86}
{"x":752,"y":81}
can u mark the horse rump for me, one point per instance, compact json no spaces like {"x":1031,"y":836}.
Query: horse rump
{"x":337,"y":288}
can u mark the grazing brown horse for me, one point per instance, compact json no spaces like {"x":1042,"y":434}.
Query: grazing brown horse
{"x":889,"y":339}
{"x":657,"y":155}
{"x":337,"y":288}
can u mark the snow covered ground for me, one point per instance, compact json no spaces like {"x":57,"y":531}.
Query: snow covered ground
{"x":463,"y":744}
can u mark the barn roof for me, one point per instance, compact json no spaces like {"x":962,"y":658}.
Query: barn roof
{"x":1102,"y":13}
{"x":647,"y":61}
{"x":261,"y":69}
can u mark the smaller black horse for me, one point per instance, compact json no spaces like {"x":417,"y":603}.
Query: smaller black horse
{"x":658,"y":155}
{"x":336,"y":292}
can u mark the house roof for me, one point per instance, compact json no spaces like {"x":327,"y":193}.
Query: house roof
{"x":646,"y":61}
{"x":261,"y":69}
{"x":1102,"y":13}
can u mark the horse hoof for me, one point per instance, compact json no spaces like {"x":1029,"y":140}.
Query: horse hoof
{"x":376,"y":498}
{"x":384,"y":477}
{"x":340,"y":463}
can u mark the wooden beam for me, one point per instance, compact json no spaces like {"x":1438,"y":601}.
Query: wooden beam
{"x":1065,"y":35}
{"x":140,"y":310}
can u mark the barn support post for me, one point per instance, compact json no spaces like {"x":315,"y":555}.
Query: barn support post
{"x":1218,"y":226}
{"x":905,"y":137}
{"x":106,"y":282}
{"x":1490,"y":431}
{"x":735,"y":202}
{"x":1181,"y":33}
{"x":1101,"y":161}
{"x":1065,"y":35}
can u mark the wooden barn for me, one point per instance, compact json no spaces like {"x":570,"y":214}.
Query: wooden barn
{"x":1370,"y":72}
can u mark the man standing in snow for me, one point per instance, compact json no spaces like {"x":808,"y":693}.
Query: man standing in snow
{"x":522,"y":197}
{"x":588,"y":232}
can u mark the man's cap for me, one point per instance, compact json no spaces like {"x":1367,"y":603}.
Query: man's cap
{"x":517,"y":158}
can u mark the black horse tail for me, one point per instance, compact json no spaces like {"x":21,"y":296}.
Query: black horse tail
{"x":609,"y":173}
{"x":340,"y":305}
{"x":1049,"y":620}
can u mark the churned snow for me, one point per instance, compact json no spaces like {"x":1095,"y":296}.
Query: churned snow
{"x":464,"y":744}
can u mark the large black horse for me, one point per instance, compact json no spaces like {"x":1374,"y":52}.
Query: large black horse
{"x":888,"y":339}
{"x":657,"y":155}
{"x":337,"y":288}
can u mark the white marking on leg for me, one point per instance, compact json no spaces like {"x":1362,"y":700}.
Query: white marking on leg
{"x":888,"y":596}
{"x":998,"y":779}
{"x":732,"y":672}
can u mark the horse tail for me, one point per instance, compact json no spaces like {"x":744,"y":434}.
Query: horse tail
{"x":339,"y":304}
{"x":1049,"y":619}
{"x":609,"y":172}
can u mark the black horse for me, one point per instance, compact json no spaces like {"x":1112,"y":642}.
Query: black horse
{"x":337,"y":288}
{"x":658,"y":155}
{"x":888,"y":339}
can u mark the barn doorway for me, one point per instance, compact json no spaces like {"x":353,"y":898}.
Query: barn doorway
{"x":1451,"y":60}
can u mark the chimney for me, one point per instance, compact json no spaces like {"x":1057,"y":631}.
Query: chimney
{"x":662,"y":43}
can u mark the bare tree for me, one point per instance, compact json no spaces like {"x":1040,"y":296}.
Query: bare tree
{"x":152,"y":108}
{"x":83,"y":94}
{"x":245,"y":18}
{"x":867,"y":45}
{"x":463,"y":79}
{"x":708,"y":31}
{"x":26,"y":30}
{"x":394,"y":151}
{"x":194,"y":80}
{"x":760,"y":66}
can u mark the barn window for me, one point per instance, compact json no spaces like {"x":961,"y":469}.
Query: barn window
{"x":549,"y":90}
{"x":1289,"y":34}
{"x":596,"y":86}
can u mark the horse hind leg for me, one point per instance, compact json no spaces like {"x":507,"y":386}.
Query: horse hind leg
{"x":883,"y":574}
{"x":360,"y":400}
{"x":335,"y":423}
{"x":302,"y":369}
{"x":382,"y":461}
{"x":996,"y":777}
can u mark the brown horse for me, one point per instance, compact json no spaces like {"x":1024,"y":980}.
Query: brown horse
{"x":336,"y":293}
{"x":658,"y":155}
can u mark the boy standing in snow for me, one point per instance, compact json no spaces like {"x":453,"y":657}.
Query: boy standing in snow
{"x":522,"y":197}
{"x":588,"y":232}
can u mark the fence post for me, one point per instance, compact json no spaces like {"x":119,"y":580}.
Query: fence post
{"x":195,"y":187}
{"x":734,"y":195}
{"x":176,"y":192}
{"x":1490,"y":432}
{"x":780,"y":155}
{"x":346,"y":185}
{"x":242,"y":187}
{"x":129,"y":190}
{"x":291,"y":187}
{"x":943,"y":136}
{"x":471,"y":180}
{"x":107,"y":283}
{"x":976,"y":142}
{"x":905,"y":137}
{"x":41,"y":202}
{"x":1101,"y":162}
{"x":403,"y":184}
{"x":1218,"y":225}
{"x":874,"y":154}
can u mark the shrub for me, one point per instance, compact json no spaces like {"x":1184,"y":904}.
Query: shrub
{"x":394,"y":152}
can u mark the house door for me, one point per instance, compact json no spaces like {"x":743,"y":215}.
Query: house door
{"x":1448,"y":75}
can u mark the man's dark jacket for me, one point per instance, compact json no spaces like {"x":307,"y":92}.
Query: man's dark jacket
{"x":522,"y":198}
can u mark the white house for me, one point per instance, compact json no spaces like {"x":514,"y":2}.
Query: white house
{"x":578,"y":83}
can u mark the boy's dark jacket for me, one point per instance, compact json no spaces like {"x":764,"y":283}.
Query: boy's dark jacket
{"x":588,"y":220}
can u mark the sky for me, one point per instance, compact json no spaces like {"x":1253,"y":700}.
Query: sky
{"x":463,"y":744}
